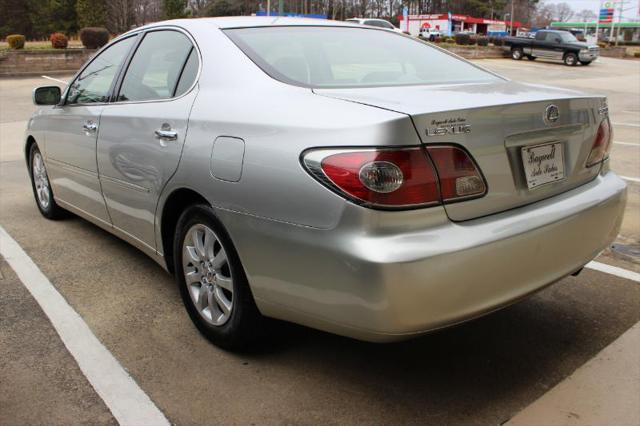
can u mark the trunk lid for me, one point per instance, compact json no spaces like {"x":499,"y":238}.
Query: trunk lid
{"x":493,"y":122}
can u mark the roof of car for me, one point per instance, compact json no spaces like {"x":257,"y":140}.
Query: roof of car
{"x":253,"y":21}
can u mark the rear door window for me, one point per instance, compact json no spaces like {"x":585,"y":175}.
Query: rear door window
{"x":157,"y":66}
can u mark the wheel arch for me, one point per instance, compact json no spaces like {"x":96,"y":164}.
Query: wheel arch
{"x":27,"y":147}
{"x":174,"y":205}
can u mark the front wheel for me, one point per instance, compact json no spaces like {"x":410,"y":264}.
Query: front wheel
{"x":517,"y":54}
{"x":571,"y":59}
{"x":41,"y":186}
{"x":212,"y":282}
{"x":585,"y":63}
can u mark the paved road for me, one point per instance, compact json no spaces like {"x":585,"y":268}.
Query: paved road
{"x":482,"y":372}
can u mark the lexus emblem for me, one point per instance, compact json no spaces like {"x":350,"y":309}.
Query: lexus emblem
{"x":551,"y":114}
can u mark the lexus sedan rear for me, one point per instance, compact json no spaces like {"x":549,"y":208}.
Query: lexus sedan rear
{"x":346,"y":178}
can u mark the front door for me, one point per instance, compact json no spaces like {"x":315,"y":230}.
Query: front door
{"x":142,"y":133}
{"x":72,"y":131}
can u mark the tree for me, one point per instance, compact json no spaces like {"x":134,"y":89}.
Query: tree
{"x":121,"y":15}
{"x":174,"y":9}
{"x":564,"y":12}
{"x":91,"y":13}
{"x":586,"y":15}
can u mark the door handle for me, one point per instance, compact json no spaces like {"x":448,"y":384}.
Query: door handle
{"x":90,"y":127}
{"x":165,"y":133}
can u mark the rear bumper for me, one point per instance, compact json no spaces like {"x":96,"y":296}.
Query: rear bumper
{"x":390,"y":285}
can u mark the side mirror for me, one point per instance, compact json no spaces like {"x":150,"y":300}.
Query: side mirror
{"x":47,"y":95}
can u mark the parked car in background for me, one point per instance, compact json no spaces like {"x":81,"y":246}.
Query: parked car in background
{"x":335,"y":175}
{"x":552,"y":44}
{"x":380,"y":23}
{"x":430,"y":33}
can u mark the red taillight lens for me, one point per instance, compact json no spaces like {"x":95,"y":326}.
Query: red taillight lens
{"x":387,"y":178}
{"x":459,"y":176}
{"x":398,"y":178}
{"x":601,"y":145}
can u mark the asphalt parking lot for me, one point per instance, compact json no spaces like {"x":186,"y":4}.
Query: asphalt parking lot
{"x":482,"y":372}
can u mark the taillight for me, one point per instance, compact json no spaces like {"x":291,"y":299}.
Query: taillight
{"x":459,"y":176}
{"x":397,"y":178}
{"x":601,"y":145}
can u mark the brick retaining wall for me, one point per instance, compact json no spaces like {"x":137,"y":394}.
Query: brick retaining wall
{"x":35,"y":62}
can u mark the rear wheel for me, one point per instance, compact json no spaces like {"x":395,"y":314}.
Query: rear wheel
{"x":41,"y":186}
{"x":585,"y":62}
{"x":212,"y":282}
{"x":517,"y":54}
{"x":571,"y":59}
{"x":531,"y":58}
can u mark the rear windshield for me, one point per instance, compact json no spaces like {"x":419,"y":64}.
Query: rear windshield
{"x":333,"y":57}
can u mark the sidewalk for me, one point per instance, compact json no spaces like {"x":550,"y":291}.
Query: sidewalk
{"x":604,"y":391}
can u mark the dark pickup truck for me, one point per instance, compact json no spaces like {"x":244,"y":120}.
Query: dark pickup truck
{"x":550,"y":44}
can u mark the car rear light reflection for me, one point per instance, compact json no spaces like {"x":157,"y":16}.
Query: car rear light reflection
{"x":601,"y":145}
{"x":459,"y":176}
{"x":398,"y":178}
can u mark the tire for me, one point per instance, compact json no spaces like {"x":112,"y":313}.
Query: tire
{"x":531,"y":58}
{"x":585,"y":63}
{"x":571,"y":59}
{"x":215,"y":292}
{"x":42,"y":191}
{"x":517,"y":53}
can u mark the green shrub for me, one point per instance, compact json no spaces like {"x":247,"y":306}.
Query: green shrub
{"x":602,"y":45}
{"x":462,"y":39}
{"x":438,"y":40}
{"x":94,"y":37}
{"x":16,"y":41}
{"x":59,"y":41}
{"x":483,"y":41}
{"x":497,"y":41}
{"x":473,"y":40}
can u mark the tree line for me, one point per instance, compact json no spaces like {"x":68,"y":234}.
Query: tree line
{"x":37,"y":19}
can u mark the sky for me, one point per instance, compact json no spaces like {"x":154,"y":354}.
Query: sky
{"x":631,"y":6}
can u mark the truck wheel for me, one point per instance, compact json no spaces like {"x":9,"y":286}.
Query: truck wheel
{"x":585,"y":62}
{"x":571,"y":59}
{"x":517,"y":54}
{"x":531,"y":58}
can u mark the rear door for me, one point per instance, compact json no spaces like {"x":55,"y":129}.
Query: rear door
{"x":142,"y":132}
{"x":72,"y":130}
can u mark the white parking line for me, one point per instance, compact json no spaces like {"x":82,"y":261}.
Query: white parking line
{"x":614,"y":270}
{"x":626,"y":124}
{"x":127,"y":402}
{"x":630,"y":179}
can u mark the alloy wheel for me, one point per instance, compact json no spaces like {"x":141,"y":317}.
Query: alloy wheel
{"x":207,"y":274}
{"x":41,"y":181}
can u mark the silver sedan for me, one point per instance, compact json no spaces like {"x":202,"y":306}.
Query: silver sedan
{"x":346,"y":178}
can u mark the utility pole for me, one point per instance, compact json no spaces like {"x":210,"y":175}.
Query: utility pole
{"x":511,"y":26}
{"x":621,"y":3}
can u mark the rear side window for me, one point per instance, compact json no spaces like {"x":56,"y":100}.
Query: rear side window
{"x":94,"y":83}
{"x":156,"y":67}
{"x":333,"y":57}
